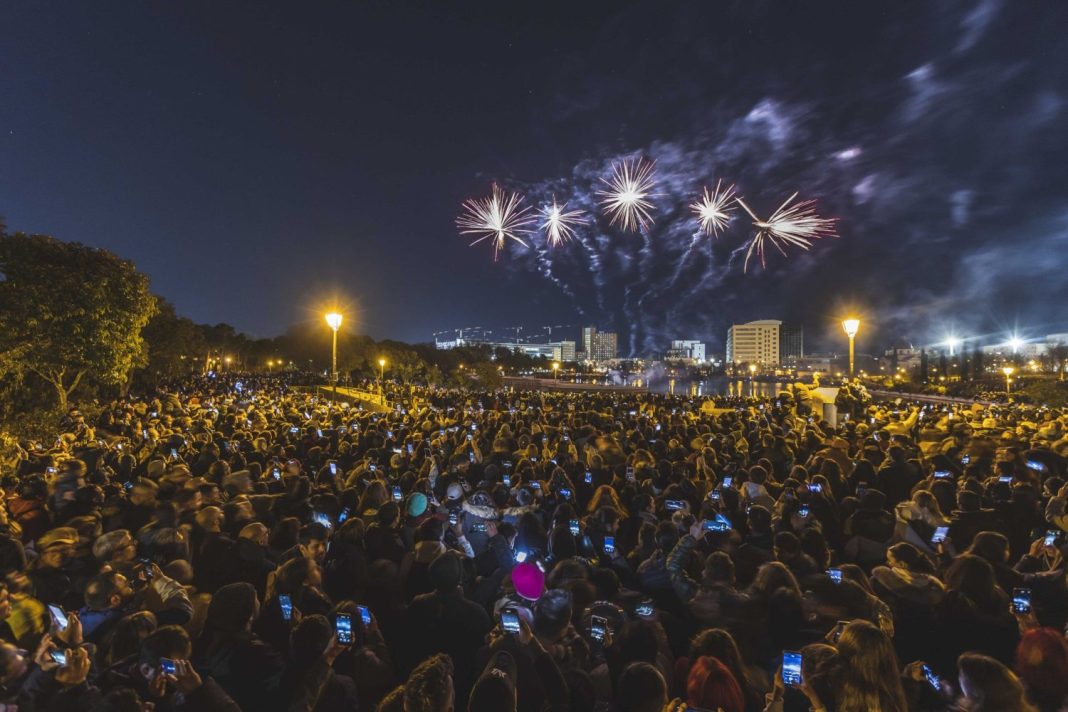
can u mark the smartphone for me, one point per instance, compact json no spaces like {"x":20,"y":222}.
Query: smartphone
{"x":294,"y":430}
{"x":802,"y":511}
{"x":589,"y":477}
{"x":478,"y":527}
{"x":932,"y":679}
{"x":1051,"y":537}
{"x":344,"y":515}
{"x":674,"y":505}
{"x":58,"y":617}
{"x":397,"y":495}
{"x":791,"y":668}
{"x":144,"y":433}
{"x":609,"y":545}
{"x":128,"y":486}
{"x":728,"y":481}
{"x":520,"y":556}
{"x":174,"y":453}
{"x":835,"y":574}
{"x":286,"y":604}
{"x":372,"y":467}
{"x":598,"y":627}
{"x":507,"y":480}
{"x":573,"y":525}
{"x":322,"y":518}
{"x":167,"y":666}
{"x":815,"y":488}
{"x":1021,"y":600}
{"x":59,"y":657}
{"x":565,"y":493}
{"x":1035,"y":465}
{"x":276,"y":473}
{"x":319,"y":432}
{"x":536,"y":485}
{"x":714,"y":495}
{"x":630,"y":474}
{"x":645,"y":609}
{"x":365,"y":615}
{"x":343,"y":626}
{"x":939,"y":535}
{"x":510,"y":620}
{"x":966,"y":459}
{"x":942,"y":474}
{"x":453,"y":517}
{"x":333,"y":468}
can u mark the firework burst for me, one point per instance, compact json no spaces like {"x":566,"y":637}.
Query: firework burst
{"x":796,"y":225}
{"x":559,"y":223}
{"x":625,"y":200}
{"x":713,"y":209}
{"x":498,"y":218}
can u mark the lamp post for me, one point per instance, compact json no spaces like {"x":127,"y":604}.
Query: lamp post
{"x":381,"y":375}
{"x":556,"y":371}
{"x":851,"y":327}
{"x":333,"y":319}
{"x":952,"y":342}
{"x":1008,"y":371}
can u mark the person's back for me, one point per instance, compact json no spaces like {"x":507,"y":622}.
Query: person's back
{"x":445,"y":622}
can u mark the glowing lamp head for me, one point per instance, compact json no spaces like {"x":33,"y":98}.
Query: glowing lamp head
{"x":752,"y":368}
{"x":381,"y":362}
{"x":1008,"y":370}
{"x":851,"y":326}
{"x":556,"y":365}
{"x":1015,"y":342}
{"x":334,"y":320}
{"x":952,"y":342}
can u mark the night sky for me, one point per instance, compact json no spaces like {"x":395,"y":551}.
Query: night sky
{"x":257,"y":158}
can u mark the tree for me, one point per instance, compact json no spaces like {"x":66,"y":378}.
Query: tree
{"x":964,"y":376}
{"x":923,"y":366}
{"x":80,"y":310}
{"x":1058,"y":355}
{"x":977,"y":363}
{"x":176,"y":346}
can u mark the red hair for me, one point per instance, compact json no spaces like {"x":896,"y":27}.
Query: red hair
{"x":1042,"y":663}
{"x":712,"y":685}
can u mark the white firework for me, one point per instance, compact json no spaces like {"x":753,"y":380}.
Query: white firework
{"x":796,"y":225}
{"x":499,"y":218}
{"x":713,"y":209}
{"x":559,"y":223}
{"x":626,"y":200}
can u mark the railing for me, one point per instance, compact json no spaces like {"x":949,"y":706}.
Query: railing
{"x":925,"y":397}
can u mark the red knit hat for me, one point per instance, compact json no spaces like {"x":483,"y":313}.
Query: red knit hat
{"x":712,"y":686}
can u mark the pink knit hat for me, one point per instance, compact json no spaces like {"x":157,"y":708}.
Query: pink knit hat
{"x":528,"y":580}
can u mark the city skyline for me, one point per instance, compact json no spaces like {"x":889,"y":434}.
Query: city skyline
{"x":154,"y":152}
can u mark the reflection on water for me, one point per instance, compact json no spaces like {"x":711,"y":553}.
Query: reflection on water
{"x":719,"y":387}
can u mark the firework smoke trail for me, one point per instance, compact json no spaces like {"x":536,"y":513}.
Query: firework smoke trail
{"x":625,"y":201}
{"x":499,"y":218}
{"x":713,"y":209}
{"x":559,"y":223}
{"x":796,"y":225}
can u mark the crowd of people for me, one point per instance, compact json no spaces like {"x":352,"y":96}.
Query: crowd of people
{"x":237,"y":543}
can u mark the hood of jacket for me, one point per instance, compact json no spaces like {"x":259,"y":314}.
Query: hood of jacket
{"x":482,"y":512}
{"x":916,"y":587}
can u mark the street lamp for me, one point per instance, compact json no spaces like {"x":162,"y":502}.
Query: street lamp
{"x":381,"y":375}
{"x":952,"y":342}
{"x":1015,"y":342}
{"x":851,"y":326}
{"x":556,"y":370}
{"x":333,"y":319}
{"x":1008,"y":371}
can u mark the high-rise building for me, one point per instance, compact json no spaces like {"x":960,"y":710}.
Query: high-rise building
{"x":763,"y":342}
{"x":565,"y":350}
{"x":599,"y":345}
{"x":687,"y":350}
{"x":791,"y":342}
